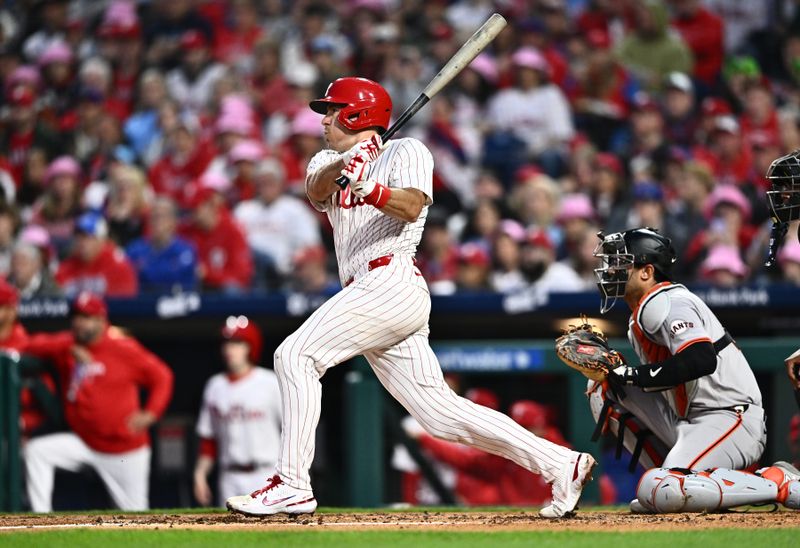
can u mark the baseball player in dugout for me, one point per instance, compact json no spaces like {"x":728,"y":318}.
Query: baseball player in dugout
{"x":382,"y":311}
{"x":691,"y":413}
{"x":240,"y":420}
{"x":101,"y":371}
{"x":784,"y":204}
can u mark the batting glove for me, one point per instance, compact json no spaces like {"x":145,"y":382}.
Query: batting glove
{"x":369,"y":148}
{"x":373,"y":193}
{"x":356,"y":169}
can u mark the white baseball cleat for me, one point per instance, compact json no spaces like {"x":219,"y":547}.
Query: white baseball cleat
{"x":274,"y":498}
{"x":568,"y":487}
{"x":639,"y":508}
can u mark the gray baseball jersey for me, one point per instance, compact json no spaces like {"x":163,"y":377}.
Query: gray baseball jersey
{"x":668,"y":319}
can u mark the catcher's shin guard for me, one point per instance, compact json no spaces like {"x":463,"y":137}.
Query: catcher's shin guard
{"x":629,"y":431}
{"x":671,"y":490}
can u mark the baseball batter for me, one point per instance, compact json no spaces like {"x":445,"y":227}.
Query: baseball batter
{"x":240,"y":419}
{"x":383,"y":310}
{"x":695,"y":392}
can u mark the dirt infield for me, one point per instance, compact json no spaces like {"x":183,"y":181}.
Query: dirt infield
{"x":584,"y":521}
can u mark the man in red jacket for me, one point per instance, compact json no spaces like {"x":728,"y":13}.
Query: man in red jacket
{"x":97,"y":264}
{"x":703,"y":31}
{"x":101,"y":372}
{"x":225,"y":263}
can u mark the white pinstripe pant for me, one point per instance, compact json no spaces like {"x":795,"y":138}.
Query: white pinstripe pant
{"x":384,"y":316}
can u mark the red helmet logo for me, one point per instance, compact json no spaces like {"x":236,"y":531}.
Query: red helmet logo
{"x":364,"y":103}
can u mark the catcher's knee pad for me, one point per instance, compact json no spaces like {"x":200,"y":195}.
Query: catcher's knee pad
{"x":670,"y":490}
{"x":629,"y":431}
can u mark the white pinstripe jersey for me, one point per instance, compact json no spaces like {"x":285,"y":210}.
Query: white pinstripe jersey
{"x":670,"y":318}
{"x":361,"y":232}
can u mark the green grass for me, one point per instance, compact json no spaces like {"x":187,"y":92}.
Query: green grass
{"x":723,"y":538}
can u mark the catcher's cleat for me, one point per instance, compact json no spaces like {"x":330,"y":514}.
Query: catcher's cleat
{"x":788,"y":479}
{"x":638,"y":508}
{"x":275,"y":498}
{"x":568,"y":486}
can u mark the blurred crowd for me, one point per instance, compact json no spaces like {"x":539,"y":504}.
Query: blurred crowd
{"x":161,"y":146}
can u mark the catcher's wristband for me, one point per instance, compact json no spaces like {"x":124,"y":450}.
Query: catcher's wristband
{"x":379,"y":196}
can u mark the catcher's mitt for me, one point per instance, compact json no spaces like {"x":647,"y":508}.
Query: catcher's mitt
{"x":586,"y":349}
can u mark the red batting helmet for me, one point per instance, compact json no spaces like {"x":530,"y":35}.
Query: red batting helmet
{"x":364,"y":103}
{"x":239,"y":328}
{"x":529,"y":414}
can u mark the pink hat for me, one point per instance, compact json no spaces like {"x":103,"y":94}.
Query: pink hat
{"x":307,"y":122}
{"x":56,"y":52}
{"x":241,"y":125}
{"x":63,"y":165}
{"x":513,"y":230}
{"x":215,"y":181}
{"x":246,"y":151}
{"x":790,"y":252}
{"x":486,"y":66}
{"x":235,"y":104}
{"x":530,"y":58}
{"x":723,"y":257}
{"x":575,"y":206}
{"x":727,"y":194}
{"x":35,"y":235}
{"x":24,"y":74}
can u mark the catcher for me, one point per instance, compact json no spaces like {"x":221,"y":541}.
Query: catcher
{"x":693,"y":405}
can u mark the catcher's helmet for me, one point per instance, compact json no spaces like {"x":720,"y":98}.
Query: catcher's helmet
{"x":621,"y":251}
{"x":239,"y":328}
{"x":364,"y":103}
{"x":784,"y":195}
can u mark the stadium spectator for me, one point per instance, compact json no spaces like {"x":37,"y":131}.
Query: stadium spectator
{"x":506,"y":275}
{"x":101,"y":371}
{"x":680,"y":117}
{"x":723,"y":267}
{"x":163,"y":261}
{"x":534,"y":112}
{"x":650,"y":51}
{"x":535,"y":202}
{"x":244,"y":156}
{"x":233,"y":43}
{"x":474,"y":263}
{"x":789,"y":260}
{"x":192,"y":81}
{"x":541,"y":270}
{"x":703,"y":32}
{"x":224,"y":260}
{"x":29,"y":273}
{"x":607,"y":186}
{"x":59,"y":206}
{"x":575,"y":215}
{"x":127,"y":204}
{"x":142,"y":129}
{"x":310,"y":273}
{"x":9,"y":223}
{"x":437,"y":258}
{"x":96,"y":263}
{"x":275,"y":224}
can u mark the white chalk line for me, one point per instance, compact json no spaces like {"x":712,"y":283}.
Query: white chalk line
{"x":135,"y":525}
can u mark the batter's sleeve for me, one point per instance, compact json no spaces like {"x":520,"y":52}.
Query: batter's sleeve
{"x":412,"y":167}
{"x":318,"y":161}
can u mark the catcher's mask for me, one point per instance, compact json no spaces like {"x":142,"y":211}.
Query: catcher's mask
{"x":620,"y":252}
{"x":784,"y":194}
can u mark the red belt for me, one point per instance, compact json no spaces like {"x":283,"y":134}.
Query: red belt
{"x":376,"y":263}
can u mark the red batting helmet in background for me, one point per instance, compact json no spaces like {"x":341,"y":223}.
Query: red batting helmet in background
{"x":240,"y":328}
{"x":364,"y":103}
{"x":529,"y":414}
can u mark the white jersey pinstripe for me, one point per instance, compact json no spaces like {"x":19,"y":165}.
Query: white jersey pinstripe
{"x":361,"y":232}
{"x":383,"y":315}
